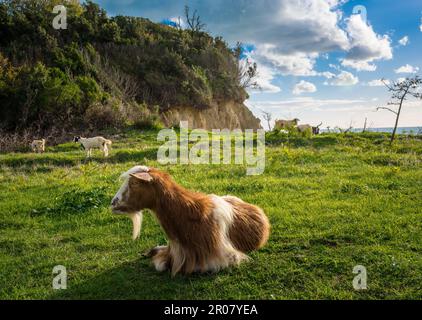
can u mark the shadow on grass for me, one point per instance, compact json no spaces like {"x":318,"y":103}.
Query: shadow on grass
{"x":324,"y":141}
{"x":318,"y":142}
{"x":129,"y":156}
{"x":26,"y":163}
{"x":137,"y":280}
{"x":31,"y":162}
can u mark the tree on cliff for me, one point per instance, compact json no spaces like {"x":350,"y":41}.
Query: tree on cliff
{"x":400,"y":92}
{"x":247,"y":71}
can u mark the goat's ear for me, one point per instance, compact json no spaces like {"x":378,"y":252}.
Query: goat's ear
{"x":142,"y":176}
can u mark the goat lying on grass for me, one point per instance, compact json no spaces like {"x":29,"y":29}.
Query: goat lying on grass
{"x":94,"y":143}
{"x":38,"y":146}
{"x":206,"y":232}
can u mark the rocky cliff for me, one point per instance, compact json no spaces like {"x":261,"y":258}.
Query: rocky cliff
{"x":227,"y":115}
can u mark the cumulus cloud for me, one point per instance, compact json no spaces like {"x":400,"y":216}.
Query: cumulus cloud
{"x":264,"y":80}
{"x":407,"y":69}
{"x":304,"y":87}
{"x":404,"y":41}
{"x":359,"y":65}
{"x":298,"y":64}
{"x":366,"y":46}
{"x":378,"y":83}
{"x":327,"y":74}
{"x":344,"y":78}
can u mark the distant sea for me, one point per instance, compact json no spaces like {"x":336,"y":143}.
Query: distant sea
{"x":400,"y":130}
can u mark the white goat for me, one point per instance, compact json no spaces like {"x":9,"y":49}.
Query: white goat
{"x":38,"y":146}
{"x":94,"y":143}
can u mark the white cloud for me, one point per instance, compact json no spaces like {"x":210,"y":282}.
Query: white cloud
{"x":366,"y":46}
{"x":420,"y":27}
{"x":344,"y":78}
{"x":400,"y":80}
{"x":298,"y":105}
{"x":296,"y":64}
{"x":289,"y":34}
{"x":404,"y":41}
{"x":314,"y":24}
{"x":359,"y":65}
{"x":333,"y":66}
{"x":265,"y":78}
{"x":179,"y":20}
{"x":407,"y":69}
{"x":327,"y":74}
{"x":304,"y":87}
{"x":378,"y":83}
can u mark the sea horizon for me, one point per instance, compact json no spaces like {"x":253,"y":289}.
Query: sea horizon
{"x":400,"y":130}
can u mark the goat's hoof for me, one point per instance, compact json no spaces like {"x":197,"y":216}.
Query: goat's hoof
{"x":150,"y":253}
{"x":153,"y":252}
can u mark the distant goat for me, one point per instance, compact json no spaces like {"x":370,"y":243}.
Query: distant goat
{"x":316,"y":130}
{"x":206,"y":232}
{"x":303,"y":128}
{"x":38,"y":146}
{"x":94,"y":143}
{"x":286,"y":124}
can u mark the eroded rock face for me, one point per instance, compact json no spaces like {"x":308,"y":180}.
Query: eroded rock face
{"x":227,"y":115}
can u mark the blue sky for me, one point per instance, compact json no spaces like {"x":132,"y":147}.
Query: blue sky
{"x":317,"y":60}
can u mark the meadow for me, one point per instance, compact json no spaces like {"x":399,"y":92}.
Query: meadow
{"x":334,"y":201}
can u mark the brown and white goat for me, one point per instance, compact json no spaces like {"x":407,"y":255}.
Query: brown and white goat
{"x":206,"y":232}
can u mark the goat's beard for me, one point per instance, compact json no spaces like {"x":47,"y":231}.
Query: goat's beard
{"x":136,"y":223}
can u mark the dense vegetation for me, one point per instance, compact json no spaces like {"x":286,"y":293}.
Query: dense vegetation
{"x":104,"y":71}
{"x":334,"y":201}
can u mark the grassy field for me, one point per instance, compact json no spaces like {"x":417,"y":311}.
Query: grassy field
{"x":334,"y":201}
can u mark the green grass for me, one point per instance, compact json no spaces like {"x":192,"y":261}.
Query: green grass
{"x":334,"y":201}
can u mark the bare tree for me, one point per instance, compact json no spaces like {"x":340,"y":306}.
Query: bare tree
{"x":247,"y":71}
{"x":267,"y":117}
{"x":349,"y":129}
{"x":364,"y":126}
{"x":194,"y":21}
{"x":400,"y":91}
{"x":119,"y":82}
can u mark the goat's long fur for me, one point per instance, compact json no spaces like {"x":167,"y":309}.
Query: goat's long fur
{"x":205,"y":232}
